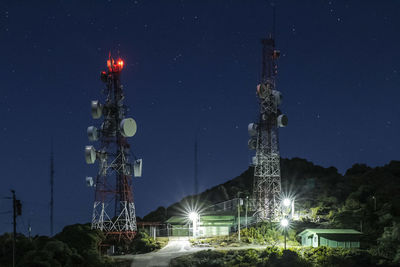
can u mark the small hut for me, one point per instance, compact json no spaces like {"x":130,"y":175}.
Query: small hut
{"x":342,"y":238}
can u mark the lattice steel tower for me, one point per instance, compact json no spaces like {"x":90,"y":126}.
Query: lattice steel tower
{"x":264,"y":138}
{"x":113,"y":209}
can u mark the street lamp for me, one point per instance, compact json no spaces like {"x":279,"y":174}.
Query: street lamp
{"x":247,"y":206}
{"x":194,"y":216}
{"x":286,"y":202}
{"x":285,"y":224}
{"x":374,"y":198}
{"x":240,"y":203}
{"x":288,"y":205}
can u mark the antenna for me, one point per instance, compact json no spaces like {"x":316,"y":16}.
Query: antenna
{"x":51,"y":189}
{"x":113,"y":207}
{"x":196,"y":181}
{"x":273,"y":19}
{"x":264,"y":135}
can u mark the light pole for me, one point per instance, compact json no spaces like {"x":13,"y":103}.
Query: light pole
{"x":286,"y":202}
{"x":194,"y":216}
{"x":14,"y":224}
{"x":374,"y":198}
{"x":285,"y":224}
{"x":288,"y":207}
{"x":247,"y":204}
{"x":240,"y":202}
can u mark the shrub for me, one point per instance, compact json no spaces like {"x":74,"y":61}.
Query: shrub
{"x":143,"y":243}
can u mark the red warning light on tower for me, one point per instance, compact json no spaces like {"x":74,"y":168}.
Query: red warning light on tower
{"x":120,"y":64}
{"x":115,"y":66}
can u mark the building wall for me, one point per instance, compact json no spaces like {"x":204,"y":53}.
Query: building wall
{"x":306,"y":241}
{"x":338,"y":244}
{"x":179,"y":231}
{"x":208,"y":231}
{"x":315,"y":240}
{"x":334,"y":242}
{"x":203,"y":231}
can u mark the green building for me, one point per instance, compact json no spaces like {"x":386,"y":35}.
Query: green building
{"x":210,"y":225}
{"x":178,"y":226}
{"x":343,"y":238}
{"x":216,"y":225}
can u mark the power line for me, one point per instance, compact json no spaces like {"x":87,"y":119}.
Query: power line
{"x":6,"y":212}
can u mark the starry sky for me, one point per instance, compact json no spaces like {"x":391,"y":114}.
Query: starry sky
{"x":191,"y":67}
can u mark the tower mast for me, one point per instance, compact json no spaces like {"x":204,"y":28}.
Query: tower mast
{"x":264,"y":137}
{"x":113,"y":208}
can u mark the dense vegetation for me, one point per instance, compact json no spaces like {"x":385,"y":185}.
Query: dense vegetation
{"x":276,"y":257}
{"x":265,"y":234}
{"x":364,"y":198}
{"x":143,"y":243}
{"x":77,"y":245}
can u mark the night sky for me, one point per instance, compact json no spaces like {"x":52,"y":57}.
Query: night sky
{"x":191,"y":66}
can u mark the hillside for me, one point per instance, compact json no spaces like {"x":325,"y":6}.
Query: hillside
{"x":365,"y":198}
{"x":301,"y":175}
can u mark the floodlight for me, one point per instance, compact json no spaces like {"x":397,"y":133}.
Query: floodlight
{"x":193,"y":216}
{"x":287,"y":202}
{"x":284,"y":223}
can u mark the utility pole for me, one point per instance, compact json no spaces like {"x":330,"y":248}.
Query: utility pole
{"x":239,"y":200}
{"x":14,"y":224}
{"x":51,"y":190}
{"x":285,"y":237}
{"x":29,"y":231}
{"x":374,"y":198}
{"x":196,"y":181}
{"x":247,"y":204}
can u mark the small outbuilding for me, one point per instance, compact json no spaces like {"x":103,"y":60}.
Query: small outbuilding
{"x":343,"y":238}
{"x":208,"y":225}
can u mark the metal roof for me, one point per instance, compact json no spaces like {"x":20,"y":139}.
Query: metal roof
{"x":203,"y":219}
{"x":330,"y":231}
{"x":177,"y":219}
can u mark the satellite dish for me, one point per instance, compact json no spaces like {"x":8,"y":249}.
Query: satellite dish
{"x":89,"y":181}
{"x":90,"y":154}
{"x":96,"y":109}
{"x":252,"y":143}
{"x":264,"y":90}
{"x":282,"y":120}
{"x":252,"y":128}
{"x":137,"y":168}
{"x":93,"y":133}
{"x":128,"y":127}
{"x":254,"y":160}
{"x":277,"y":96}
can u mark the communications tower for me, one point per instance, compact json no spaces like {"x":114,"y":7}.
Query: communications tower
{"x":264,"y":138}
{"x":113,"y":208}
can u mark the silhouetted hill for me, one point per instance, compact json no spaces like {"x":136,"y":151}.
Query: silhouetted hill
{"x":365,"y":199}
{"x":299,"y":176}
